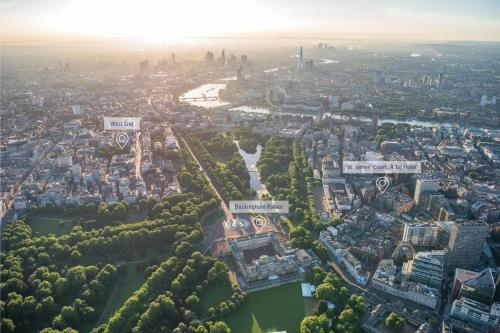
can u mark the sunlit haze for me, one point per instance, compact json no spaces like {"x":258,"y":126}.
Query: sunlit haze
{"x":163,"y":20}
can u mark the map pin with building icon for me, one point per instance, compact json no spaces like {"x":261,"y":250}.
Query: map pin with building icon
{"x":382,"y":184}
{"x":122,"y":139}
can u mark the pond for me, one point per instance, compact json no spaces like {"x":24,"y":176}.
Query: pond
{"x":251,"y":164}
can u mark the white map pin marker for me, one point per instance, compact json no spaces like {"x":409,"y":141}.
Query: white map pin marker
{"x":122,"y":139}
{"x":259,"y":222}
{"x":382,"y":184}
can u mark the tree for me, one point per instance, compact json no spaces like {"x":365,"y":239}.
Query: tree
{"x":322,"y":307}
{"x":183,"y":250}
{"x":218,"y":274}
{"x":327,"y":292}
{"x":61,"y":286}
{"x":317,"y":275}
{"x":52,"y":330}
{"x":348,"y":321}
{"x":219,"y":327}
{"x":13,"y":284}
{"x":212,"y":312}
{"x":224,"y":309}
{"x":7,"y":325}
{"x":46,"y":309}
{"x":357,"y":303}
{"x":395,"y":322}
{"x":68,"y":317}
{"x":198,"y":329}
{"x":320,"y":250}
{"x":75,"y":255}
{"x":14,"y":307}
{"x":314,"y":324}
{"x":91,"y":272}
{"x":157,"y":312}
{"x":193,"y":303}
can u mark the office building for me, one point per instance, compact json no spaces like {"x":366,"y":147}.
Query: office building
{"x":424,"y":234}
{"x":483,"y":317}
{"x":425,"y":186}
{"x":385,"y":280}
{"x":466,"y":243}
{"x":478,"y":286}
{"x":426,"y":268}
{"x":77,"y":111}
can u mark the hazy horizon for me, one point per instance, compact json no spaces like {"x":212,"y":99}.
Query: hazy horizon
{"x":164,"y":21}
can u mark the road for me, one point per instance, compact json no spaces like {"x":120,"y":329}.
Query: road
{"x":223,"y":205}
{"x":217,"y":231}
{"x":138,"y":155}
{"x":346,"y":278}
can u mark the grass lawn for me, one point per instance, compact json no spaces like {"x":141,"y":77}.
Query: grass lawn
{"x":212,"y":217}
{"x":310,"y":305}
{"x":130,"y":281}
{"x":214,"y":296}
{"x":43,"y":226}
{"x":276,"y":309}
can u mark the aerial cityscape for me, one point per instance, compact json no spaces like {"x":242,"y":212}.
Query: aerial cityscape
{"x":266,"y":174}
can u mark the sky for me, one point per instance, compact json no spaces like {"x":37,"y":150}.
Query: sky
{"x":163,"y":20}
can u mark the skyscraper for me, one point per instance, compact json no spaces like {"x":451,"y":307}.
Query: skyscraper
{"x":484,"y":100}
{"x":440,"y":80}
{"x":300,"y":63}
{"x":223,"y":57}
{"x":209,"y":57}
{"x":466,"y":243}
